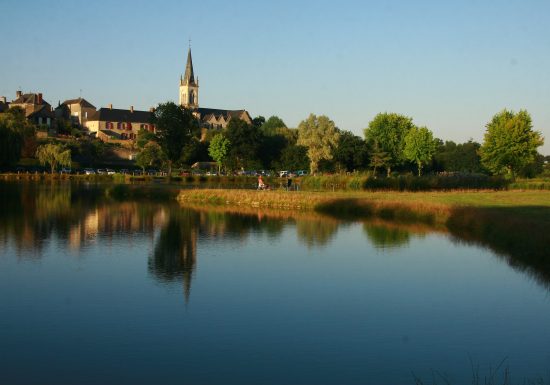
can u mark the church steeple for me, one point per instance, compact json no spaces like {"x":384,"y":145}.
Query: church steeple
{"x":189,"y":89}
{"x":189,"y":77}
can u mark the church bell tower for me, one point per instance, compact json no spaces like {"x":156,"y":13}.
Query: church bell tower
{"x":189,"y":89}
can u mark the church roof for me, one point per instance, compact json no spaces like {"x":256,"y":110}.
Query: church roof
{"x":189,"y":77}
{"x":216,"y":112}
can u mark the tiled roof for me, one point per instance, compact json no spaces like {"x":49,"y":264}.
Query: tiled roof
{"x":83,"y":102}
{"x":29,"y":99}
{"x":117,"y":115}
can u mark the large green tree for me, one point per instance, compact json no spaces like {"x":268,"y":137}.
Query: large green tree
{"x":320,"y":136}
{"x":389,"y":131}
{"x":246,"y":140}
{"x":420,"y":146}
{"x":509,"y":143}
{"x":175,"y":126}
{"x":219,"y":149}
{"x":53,"y":155}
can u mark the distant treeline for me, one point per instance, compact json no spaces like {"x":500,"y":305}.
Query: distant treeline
{"x":391,"y":145}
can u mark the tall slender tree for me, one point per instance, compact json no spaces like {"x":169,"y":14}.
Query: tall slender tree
{"x":420,"y":146}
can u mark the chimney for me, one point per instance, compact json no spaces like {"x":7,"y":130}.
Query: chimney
{"x":110,"y":106}
{"x":3,"y":99}
{"x":152,"y":109}
{"x":131,"y":108}
{"x":39,"y":99}
{"x":18,"y":94}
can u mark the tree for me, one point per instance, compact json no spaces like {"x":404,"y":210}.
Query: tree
{"x":351,"y":152}
{"x":271,"y":126}
{"x":53,"y":155}
{"x":17,"y":136}
{"x":509,"y":143}
{"x":246,"y":141}
{"x":378,"y":158}
{"x":11,"y":142}
{"x":320,"y":136}
{"x":293,"y":157}
{"x":420,"y":146}
{"x":195,"y":151}
{"x":258,"y":121}
{"x":175,"y":126}
{"x":389,"y":131}
{"x":219,"y":149}
{"x":151,"y":155}
{"x":462,"y":157}
{"x":144,"y":136}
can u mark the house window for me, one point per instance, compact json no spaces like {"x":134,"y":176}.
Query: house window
{"x":129,"y":126}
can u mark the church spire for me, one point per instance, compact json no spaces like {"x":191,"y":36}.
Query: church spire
{"x":189,"y":77}
{"x":189,"y":88}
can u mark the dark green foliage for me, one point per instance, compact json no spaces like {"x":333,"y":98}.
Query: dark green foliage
{"x":271,"y":149}
{"x":531,"y":170}
{"x":463,"y":157}
{"x":403,"y":183}
{"x":246,"y":141}
{"x":389,"y":131}
{"x":144,"y":136}
{"x":293,"y":157}
{"x":351,"y":153}
{"x":195,"y":151}
{"x":175,"y":126}
{"x":10,"y":145}
{"x":88,"y":152}
{"x":258,"y":121}
{"x":440,"y":182}
{"x":272,"y":125}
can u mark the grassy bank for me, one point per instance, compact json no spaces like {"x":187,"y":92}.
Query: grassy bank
{"x":435,"y":207}
{"x":514,"y":224}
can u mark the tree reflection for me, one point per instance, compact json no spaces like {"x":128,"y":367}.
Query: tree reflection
{"x":316,"y":233}
{"x":175,"y":254}
{"x":385,"y":237}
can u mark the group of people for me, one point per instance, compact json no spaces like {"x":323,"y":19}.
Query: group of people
{"x":264,"y":186}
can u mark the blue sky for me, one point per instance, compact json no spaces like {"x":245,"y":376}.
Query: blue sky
{"x":450,"y":65}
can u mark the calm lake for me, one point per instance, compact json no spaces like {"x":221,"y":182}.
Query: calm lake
{"x":95,"y":290}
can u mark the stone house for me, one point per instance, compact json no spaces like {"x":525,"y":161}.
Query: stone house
{"x":110,"y":123}
{"x":37,"y":110}
{"x":76,"y":110}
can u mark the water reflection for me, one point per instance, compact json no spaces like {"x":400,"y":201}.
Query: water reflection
{"x":386,"y":237}
{"x":34,"y":214}
{"x":175,"y":253}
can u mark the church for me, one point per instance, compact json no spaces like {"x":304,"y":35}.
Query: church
{"x":210,"y":118}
